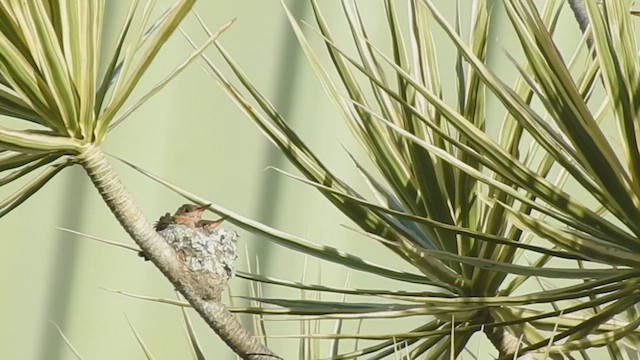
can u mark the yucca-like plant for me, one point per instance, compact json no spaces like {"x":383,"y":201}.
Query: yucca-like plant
{"x":66,"y":102}
{"x":477,"y":214}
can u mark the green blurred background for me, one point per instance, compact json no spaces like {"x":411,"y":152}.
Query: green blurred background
{"x":192,"y":135}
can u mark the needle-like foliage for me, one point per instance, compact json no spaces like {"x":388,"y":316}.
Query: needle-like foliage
{"x":477,"y":215}
{"x":51,"y":77}
{"x":65,"y":101}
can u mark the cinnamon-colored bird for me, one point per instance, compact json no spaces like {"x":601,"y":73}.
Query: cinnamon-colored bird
{"x":187,"y":214}
{"x":210,"y":225}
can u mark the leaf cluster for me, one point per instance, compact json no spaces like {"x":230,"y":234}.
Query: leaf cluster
{"x":465,"y":208}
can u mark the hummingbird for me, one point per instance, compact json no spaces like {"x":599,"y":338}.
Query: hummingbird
{"x":210,"y":225}
{"x":187,"y":214}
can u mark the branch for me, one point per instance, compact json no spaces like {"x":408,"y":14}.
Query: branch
{"x":506,"y":343}
{"x":204,"y":296}
{"x":580,"y":13}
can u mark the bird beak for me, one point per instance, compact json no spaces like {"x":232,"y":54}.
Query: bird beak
{"x":201,"y":209}
{"x":211,"y":225}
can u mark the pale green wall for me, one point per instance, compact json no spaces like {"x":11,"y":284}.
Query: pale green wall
{"x":192,"y":135}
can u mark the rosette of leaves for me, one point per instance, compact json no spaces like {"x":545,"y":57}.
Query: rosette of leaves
{"x":64,"y":102}
{"x":465,"y":208}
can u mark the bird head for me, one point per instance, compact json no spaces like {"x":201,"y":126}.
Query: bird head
{"x":190,"y":210}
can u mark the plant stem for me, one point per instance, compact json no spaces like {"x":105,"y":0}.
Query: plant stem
{"x":506,"y":343}
{"x":156,"y":249}
{"x":580,"y":13}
